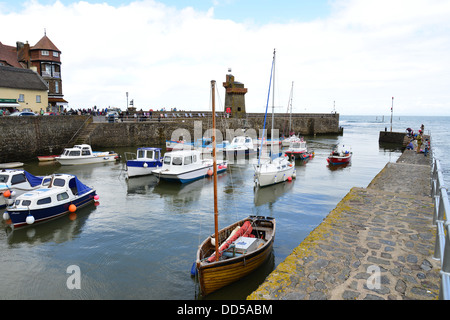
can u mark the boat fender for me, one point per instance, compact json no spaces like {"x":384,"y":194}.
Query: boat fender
{"x":96,"y":197}
{"x":29,"y":219}
{"x":7,"y":194}
{"x":72,"y":208}
{"x":145,"y":165}
{"x":5,"y":215}
{"x":193,"y":270}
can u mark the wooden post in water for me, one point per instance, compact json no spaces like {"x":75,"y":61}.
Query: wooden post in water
{"x":216,"y":211}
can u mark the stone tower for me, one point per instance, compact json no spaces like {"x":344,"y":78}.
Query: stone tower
{"x":234,"y":97}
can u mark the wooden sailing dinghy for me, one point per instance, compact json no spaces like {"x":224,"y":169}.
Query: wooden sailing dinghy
{"x":244,"y":245}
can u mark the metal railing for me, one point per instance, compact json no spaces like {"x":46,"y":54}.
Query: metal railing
{"x":440,"y":220}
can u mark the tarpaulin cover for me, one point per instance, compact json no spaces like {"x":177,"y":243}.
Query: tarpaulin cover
{"x":33,"y":180}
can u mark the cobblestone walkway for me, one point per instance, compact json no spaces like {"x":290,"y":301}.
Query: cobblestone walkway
{"x":377,"y":243}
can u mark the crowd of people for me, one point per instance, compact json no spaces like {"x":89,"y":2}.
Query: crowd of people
{"x":418,"y":142}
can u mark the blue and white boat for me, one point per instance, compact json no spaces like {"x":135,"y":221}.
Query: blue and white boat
{"x":147,"y":160}
{"x":14,"y":182}
{"x":64,"y":194}
{"x":186,"y":166}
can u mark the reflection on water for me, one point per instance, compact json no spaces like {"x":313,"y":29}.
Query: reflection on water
{"x":141,"y":241}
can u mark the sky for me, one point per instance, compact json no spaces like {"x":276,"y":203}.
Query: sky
{"x":348,"y":56}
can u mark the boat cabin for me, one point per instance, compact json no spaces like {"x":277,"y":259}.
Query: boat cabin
{"x":13,"y":178}
{"x":181,"y":158}
{"x":148,"y":153}
{"x":82,"y":150}
{"x":60,"y":188}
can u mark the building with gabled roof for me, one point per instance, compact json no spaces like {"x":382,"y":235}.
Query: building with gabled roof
{"x":45,"y":59}
{"x":22,"y":89}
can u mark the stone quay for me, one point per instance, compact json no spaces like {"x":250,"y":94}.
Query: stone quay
{"x":377,"y":244}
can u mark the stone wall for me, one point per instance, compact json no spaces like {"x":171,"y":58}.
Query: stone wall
{"x":24,"y":138}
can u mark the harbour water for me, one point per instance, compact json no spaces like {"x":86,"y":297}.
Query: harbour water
{"x":141,"y":240}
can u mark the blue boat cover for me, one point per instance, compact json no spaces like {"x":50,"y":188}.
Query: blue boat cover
{"x":33,"y":180}
{"x":81,"y":188}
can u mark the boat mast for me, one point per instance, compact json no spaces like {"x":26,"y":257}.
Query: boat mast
{"x":216,"y":211}
{"x":290,"y":103}
{"x":273,"y":107}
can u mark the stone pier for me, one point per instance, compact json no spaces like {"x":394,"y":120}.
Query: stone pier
{"x":377,"y":244}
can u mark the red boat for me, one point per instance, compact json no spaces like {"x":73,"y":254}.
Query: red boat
{"x":339,"y":157}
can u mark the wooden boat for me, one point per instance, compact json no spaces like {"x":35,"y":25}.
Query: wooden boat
{"x":245,"y":245}
{"x":239,"y":258}
{"x":339,"y":156}
{"x":47,"y":158}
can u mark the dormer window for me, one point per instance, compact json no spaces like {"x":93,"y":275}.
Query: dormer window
{"x":45,"y":52}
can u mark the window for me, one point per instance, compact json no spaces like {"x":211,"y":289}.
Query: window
{"x":44,"y":201}
{"x":62,"y":196}
{"x":59,"y":182}
{"x":74,"y":153}
{"x":38,"y":99}
{"x":188,"y":160}
{"x":166,"y":160}
{"x":25,"y":203}
{"x":55,"y":54}
{"x":56,"y":87}
{"x":177,"y":161}
{"x":44,"y":52}
{"x":18,"y":178}
{"x":21,"y":97}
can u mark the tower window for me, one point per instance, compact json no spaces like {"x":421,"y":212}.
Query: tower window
{"x":45,"y":52}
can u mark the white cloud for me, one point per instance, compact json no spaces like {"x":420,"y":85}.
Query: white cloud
{"x":364,"y":53}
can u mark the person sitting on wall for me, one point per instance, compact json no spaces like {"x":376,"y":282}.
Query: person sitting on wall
{"x":410,"y":146}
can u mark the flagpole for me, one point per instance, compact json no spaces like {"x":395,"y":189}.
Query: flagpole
{"x":392,"y":110}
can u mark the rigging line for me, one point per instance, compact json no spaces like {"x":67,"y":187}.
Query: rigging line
{"x":267,"y":105}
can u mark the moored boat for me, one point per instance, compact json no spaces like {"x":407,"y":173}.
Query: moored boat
{"x":278,"y":168}
{"x":239,"y":146}
{"x":240,"y":252}
{"x":64,"y":194}
{"x":83,"y":154}
{"x":14,"y":182}
{"x":10,"y":165}
{"x":147,"y":160}
{"x":237,"y":250}
{"x":47,"y":158}
{"x":186,"y":166}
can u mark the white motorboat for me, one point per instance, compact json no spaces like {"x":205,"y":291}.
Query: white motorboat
{"x":240,"y":145}
{"x":83,"y":154}
{"x":14,"y":182}
{"x":187,"y":165}
{"x":147,"y":160}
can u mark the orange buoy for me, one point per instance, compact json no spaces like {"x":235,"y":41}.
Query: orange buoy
{"x":7,"y":194}
{"x":210,"y":172}
{"x":72,"y":208}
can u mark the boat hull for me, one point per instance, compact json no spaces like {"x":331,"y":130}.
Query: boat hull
{"x":18,"y":217}
{"x":216,"y":275}
{"x":269,"y":178}
{"x":69,"y":161}
{"x":188,"y":176}
{"x":338,"y":160}
{"x":137,"y":168}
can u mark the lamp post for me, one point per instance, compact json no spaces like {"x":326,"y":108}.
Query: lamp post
{"x":392,"y":110}
{"x":126,"y":108}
